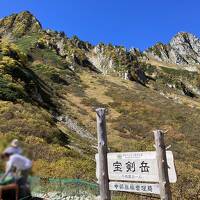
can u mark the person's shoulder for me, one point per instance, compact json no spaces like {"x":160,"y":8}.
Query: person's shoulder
{"x":13,"y":150}
{"x":16,"y":156}
{"x":8,"y":150}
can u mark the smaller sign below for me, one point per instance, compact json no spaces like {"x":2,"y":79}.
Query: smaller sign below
{"x":135,"y":187}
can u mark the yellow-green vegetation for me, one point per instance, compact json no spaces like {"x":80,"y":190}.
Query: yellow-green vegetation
{"x":10,"y":60}
{"x":172,"y":81}
{"x":156,"y":49}
{"x":133,"y":113}
{"x":27,"y":42}
{"x":29,"y":92}
{"x":20,"y":24}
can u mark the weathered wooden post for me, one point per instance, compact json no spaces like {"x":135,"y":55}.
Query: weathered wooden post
{"x":165,"y":192}
{"x":102,"y":152}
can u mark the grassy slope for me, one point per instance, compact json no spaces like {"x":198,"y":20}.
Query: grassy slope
{"x":133,"y":113}
{"x":29,"y":118}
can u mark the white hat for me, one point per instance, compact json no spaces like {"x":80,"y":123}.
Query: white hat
{"x":15,"y":143}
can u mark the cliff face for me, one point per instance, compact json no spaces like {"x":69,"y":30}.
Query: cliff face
{"x":183,"y":49}
{"x":118,"y":61}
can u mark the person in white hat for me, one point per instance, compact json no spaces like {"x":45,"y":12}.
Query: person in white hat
{"x":16,"y":162}
{"x":14,"y":147}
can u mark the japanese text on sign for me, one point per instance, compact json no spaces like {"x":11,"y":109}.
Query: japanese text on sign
{"x":137,"y":166}
{"x":135,"y":187}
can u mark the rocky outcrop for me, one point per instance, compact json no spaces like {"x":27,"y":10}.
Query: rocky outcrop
{"x":102,"y":62}
{"x":183,"y":49}
{"x":116,"y":60}
{"x":19,"y":24}
{"x":74,"y":126}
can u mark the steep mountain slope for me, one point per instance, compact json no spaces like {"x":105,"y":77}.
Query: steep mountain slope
{"x":51,"y":85}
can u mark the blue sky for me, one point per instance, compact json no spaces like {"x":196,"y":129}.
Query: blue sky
{"x":131,"y":23}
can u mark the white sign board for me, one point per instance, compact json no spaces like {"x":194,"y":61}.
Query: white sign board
{"x":135,"y":187}
{"x":137,"y":166}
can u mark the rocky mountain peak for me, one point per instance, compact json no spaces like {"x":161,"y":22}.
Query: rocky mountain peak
{"x":183,"y":49}
{"x":19,"y":24}
{"x":183,"y":37}
{"x":186,"y":43}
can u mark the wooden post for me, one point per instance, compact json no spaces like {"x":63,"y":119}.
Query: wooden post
{"x":102,"y":151}
{"x":165,"y":192}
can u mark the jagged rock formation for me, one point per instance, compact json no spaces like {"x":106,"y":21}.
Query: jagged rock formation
{"x":19,"y":24}
{"x":117,"y":60}
{"x":183,"y":49}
